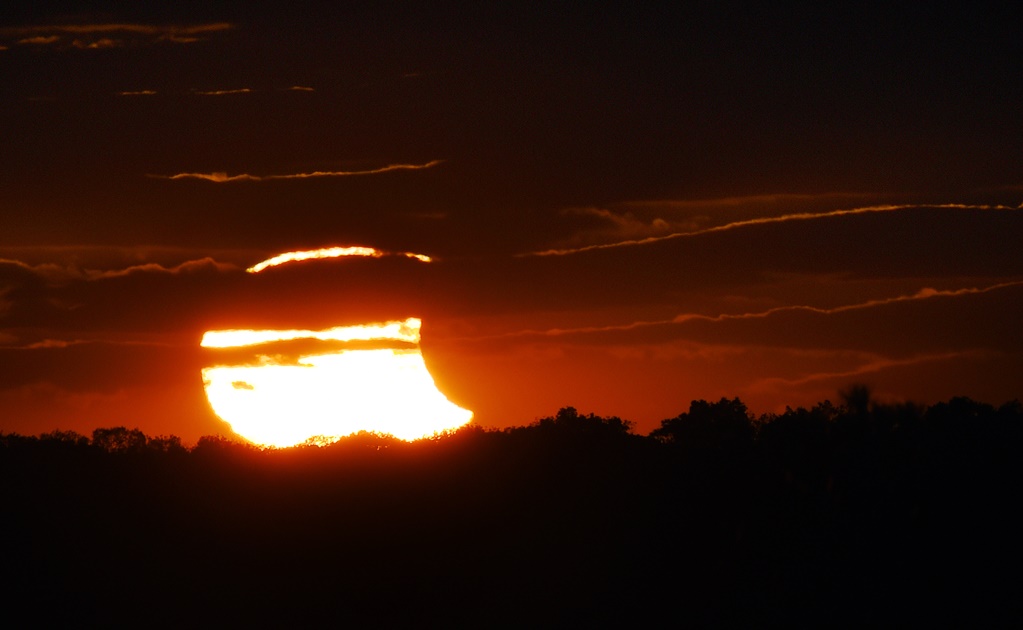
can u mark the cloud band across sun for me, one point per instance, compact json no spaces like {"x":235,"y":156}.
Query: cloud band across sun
{"x":407,"y":331}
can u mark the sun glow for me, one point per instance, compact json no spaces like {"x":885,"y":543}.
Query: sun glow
{"x":277,"y":402}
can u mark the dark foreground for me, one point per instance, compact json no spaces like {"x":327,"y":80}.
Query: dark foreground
{"x":825,"y":517}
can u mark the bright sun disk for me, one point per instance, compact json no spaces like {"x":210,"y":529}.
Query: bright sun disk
{"x":384,"y":389}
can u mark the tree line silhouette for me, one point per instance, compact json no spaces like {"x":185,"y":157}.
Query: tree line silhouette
{"x":840,"y":515}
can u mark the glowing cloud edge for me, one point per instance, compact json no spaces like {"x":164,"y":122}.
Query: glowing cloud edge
{"x":330,"y":252}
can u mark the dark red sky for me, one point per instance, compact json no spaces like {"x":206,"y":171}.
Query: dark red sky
{"x":732,"y":201}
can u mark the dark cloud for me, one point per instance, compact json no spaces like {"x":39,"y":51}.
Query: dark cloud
{"x":58,"y":301}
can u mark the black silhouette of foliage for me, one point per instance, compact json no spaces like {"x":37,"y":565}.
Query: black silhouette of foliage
{"x":165,"y":444}
{"x":709,"y":425}
{"x":861,"y":514}
{"x":857,"y":399}
{"x":570,"y":421}
{"x":66,"y":438}
{"x":120,"y":440}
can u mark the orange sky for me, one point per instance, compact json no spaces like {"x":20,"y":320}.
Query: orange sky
{"x":626,"y":208}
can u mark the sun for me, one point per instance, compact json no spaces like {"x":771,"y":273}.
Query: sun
{"x":281,"y":388}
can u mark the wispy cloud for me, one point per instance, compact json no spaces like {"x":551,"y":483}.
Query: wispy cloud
{"x":137,"y":93}
{"x":223,"y":92}
{"x":122,"y":257}
{"x":301,"y":88}
{"x":923,"y":294}
{"x":40,"y":40}
{"x":331,"y":252}
{"x":55,"y":274}
{"x":98,"y":342}
{"x":878,"y":364}
{"x":799,"y":216}
{"x":189,"y":266}
{"x":104,"y":42}
{"x":50,"y":273}
{"x":222,"y":177}
{"x":612,"y":224}
{"x":641,"y":219}
{"x":109,"y":35}
{"x":47,"y":344}
{"x":112,"y":27}
{"x":745,"y":200}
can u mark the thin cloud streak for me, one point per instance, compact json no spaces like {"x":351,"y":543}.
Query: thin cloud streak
{"x":50,"y":273}
{"x":149,"y":29}
{"x":799,"y":216}
{"x":747,"y":200}
{"x":872,"y":367}
{"x":923,"y":294}
{"x":222,"y":177}
{"x":632,"y":220}
{"x":58,"y":344}
{"x":40,"y":40}
{"x":55,"y":274}
{"x":330,"y":252}
{"x":52,"y":33}
{"x":119,"y":257}
{"x":190,"y":266}
{"x":224,"y":92}
{"x":104,"y":42}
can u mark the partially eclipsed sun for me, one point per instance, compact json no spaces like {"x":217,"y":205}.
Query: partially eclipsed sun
{"x":363,"y":378}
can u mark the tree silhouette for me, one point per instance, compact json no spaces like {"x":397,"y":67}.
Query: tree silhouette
{"x":857,"y":399}
{"x":165,"y":444}
{"x":568,"y":419}
{"x":65,"y":438}
{"x":119,"y":440}
{"x":862,"y":514}
{"x":726,"y":423}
